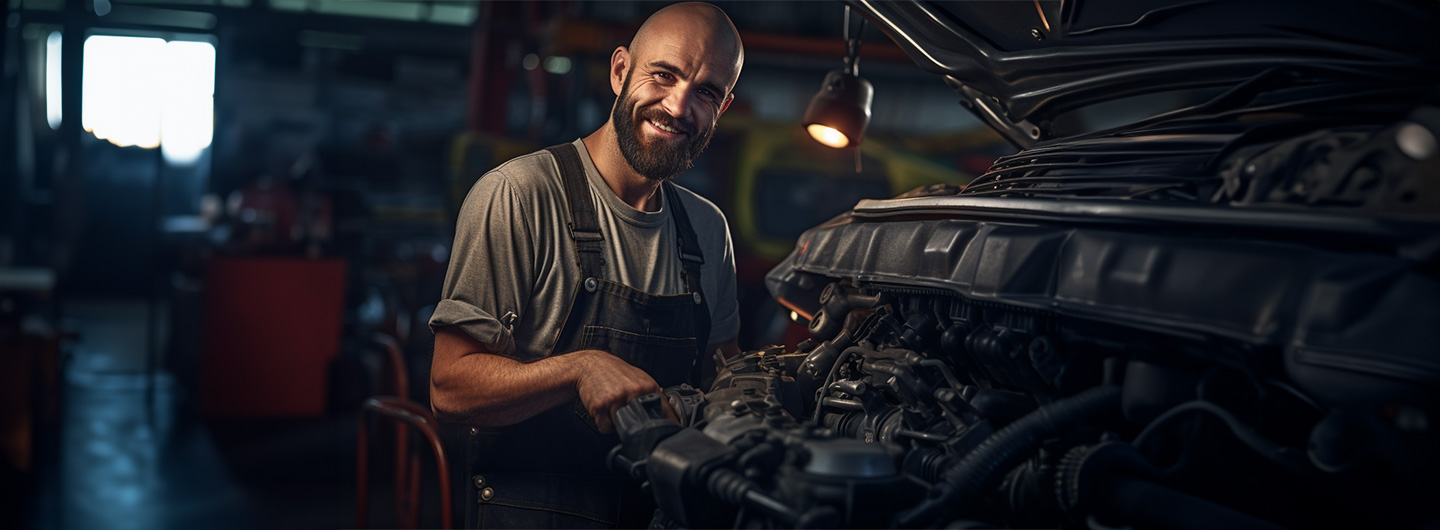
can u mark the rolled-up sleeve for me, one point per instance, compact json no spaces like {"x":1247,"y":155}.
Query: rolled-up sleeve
{"x":491,"y":270}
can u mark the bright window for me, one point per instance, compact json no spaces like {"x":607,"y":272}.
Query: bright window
{"x":150,"y":93}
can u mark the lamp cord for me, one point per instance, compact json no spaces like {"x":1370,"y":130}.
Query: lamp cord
{"x":852,"y":61}
{"x":852,"y":45}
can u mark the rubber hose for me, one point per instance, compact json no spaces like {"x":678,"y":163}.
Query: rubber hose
{"x":1082,"y":471}
{"x":1147,"y":505}
{"x":986,"y":465}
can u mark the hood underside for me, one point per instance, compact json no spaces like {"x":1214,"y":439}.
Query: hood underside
{"x":1020,"y":64}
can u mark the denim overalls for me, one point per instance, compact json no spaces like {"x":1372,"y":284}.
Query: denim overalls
{"x":549,"y":471}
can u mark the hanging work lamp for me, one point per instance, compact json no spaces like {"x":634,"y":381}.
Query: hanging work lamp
{"x":840,"y":112}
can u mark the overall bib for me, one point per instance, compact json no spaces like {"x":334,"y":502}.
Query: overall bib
{"x":549,"y":471}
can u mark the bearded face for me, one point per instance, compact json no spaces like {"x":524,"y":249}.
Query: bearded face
{"x":656,"y":159}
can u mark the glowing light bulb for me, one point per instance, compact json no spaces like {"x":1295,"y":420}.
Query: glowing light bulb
{"x":828,"y":136}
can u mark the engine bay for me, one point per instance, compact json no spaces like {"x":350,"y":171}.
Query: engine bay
{"x":1224,"y":315}
{"x":917,"y":408}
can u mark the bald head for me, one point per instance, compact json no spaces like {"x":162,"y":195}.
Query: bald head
{"x":671,"y":84}
{"x":695,"y":23}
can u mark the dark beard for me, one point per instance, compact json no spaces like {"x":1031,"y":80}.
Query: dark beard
{"x":655,"y":162}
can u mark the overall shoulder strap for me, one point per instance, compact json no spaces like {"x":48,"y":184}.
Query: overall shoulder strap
{"x":691,"y":258}
{"x":584,"y":225}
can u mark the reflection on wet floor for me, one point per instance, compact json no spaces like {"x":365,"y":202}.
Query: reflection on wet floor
{"x":125,"y":469}
{"x":109,"y":452}
{"x":133,"y":455}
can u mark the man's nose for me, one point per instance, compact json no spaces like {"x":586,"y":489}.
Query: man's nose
{"x":677,"y":102}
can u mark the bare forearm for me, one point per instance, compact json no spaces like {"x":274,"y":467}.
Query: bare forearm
{"x":471,"y":385}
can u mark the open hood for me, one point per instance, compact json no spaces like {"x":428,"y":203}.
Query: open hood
{"x":1020,"y":64}
{"x":1326,"y":106}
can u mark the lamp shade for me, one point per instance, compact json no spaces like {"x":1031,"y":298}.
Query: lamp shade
{"x":839,"y":114}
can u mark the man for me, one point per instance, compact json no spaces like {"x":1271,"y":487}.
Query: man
{"x":582,"y":278}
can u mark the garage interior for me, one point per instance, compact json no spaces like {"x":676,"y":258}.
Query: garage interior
{"x":224,"y":223}
{"x":154,"y":380}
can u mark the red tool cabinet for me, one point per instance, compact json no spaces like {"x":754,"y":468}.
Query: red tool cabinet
{"x":272,"y":325}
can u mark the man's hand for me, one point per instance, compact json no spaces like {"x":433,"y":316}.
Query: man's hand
{"x":468,"y":384}
{"x":607,"y":383}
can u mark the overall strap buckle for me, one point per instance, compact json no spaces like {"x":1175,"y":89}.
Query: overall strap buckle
{"x":691,"y":257}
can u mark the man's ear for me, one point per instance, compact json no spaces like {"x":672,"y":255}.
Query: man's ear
{"x":619,"y":66}
{"x":726,"y":104}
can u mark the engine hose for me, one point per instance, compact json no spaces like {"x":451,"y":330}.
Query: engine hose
{"x":1147,"y":505}
{"x":1079,"y":475}
{"x":928,"y":463}
{"x":736,"y":490}
{"x":985,"y":466}
{"x":834,"y":369}
{"x":1286,"y":457}
{"x":1114,"y":480}
{"x":945,"y":371}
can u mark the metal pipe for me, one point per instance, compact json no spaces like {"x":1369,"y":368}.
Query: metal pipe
{"x":400,"y":385}
{"x":843,"y":404}
{"x":411,"y":413}
{"x":926,"y":436}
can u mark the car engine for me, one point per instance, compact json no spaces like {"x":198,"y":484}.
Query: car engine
{"x":913,"y":407}
{"x":1224,"y":316}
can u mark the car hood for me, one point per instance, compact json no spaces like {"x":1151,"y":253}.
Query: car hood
{"x":1020,"y":64}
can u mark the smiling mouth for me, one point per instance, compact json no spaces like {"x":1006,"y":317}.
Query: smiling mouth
{"x":665,"y":128}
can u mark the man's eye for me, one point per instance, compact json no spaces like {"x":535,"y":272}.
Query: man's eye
{"x":663,"y":75}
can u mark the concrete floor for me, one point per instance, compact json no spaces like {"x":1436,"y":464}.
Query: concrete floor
{"x":130,"y":451}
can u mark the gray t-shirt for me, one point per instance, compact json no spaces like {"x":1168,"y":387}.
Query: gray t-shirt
{"x":513,"y":252}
